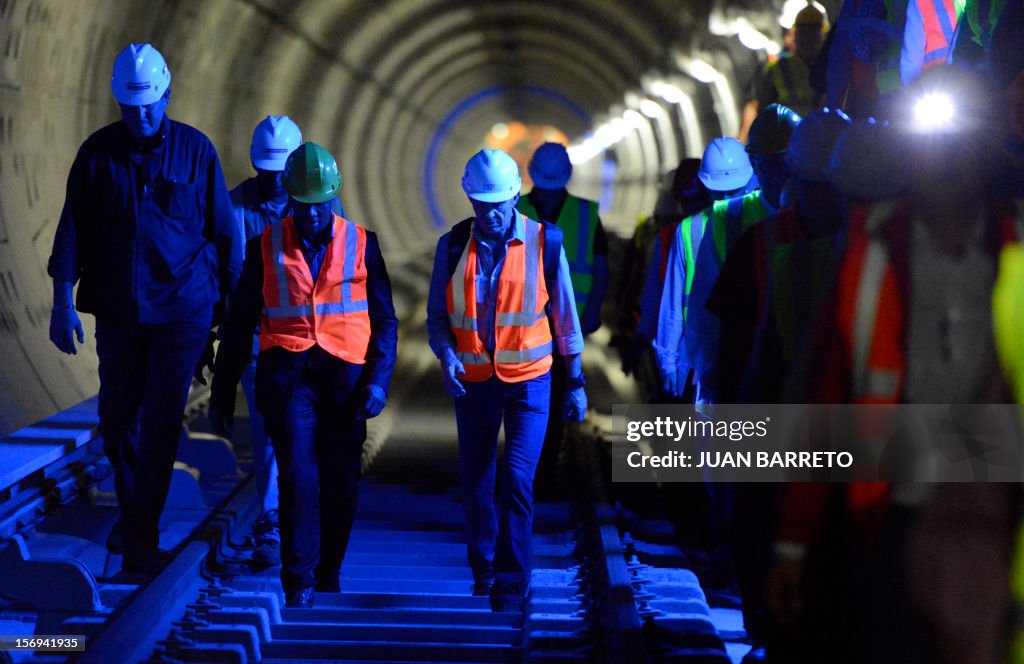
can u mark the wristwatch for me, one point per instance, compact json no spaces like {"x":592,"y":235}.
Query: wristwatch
{"x":576,"y":382}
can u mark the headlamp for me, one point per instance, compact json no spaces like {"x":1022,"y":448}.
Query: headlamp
{"x":934,"y":112}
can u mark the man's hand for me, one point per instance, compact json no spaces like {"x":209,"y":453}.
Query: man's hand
{"x":205,"y":360}
{"x":65,"y":326}
{"x":374,"y":399}
{"x":785,"y":600}
{"x":671,"y":384}
{"x":222,"y":421}
{"x":575,"y":406}
{"x":451,"y":369}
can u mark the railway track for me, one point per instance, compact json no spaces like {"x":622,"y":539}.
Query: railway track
{"x":607,"y":584}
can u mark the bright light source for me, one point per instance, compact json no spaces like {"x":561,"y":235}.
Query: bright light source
{"x":750,"y":36}
{"x":500,"y":131}
{"x":581,"y":153}
{"x":620,"y":127}
{"x":934,"y":111}
{"x":702,"y":71}
{"x":607,"y":134}
{"x":673,"y":94}
{"x":651,"y":109}
{"x":634,"y":119}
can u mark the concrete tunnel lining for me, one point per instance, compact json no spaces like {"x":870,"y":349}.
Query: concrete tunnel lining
{"x":347,"y":73}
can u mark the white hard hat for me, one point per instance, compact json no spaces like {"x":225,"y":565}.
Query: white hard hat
{"x":491,"y":176}
{"x":550,"y":167}
{"x":140,"y":75}
{"x":725,"y":165}
{"x":272,"y":141}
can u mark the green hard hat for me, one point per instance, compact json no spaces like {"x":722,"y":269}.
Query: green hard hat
{"x":311,"y":174}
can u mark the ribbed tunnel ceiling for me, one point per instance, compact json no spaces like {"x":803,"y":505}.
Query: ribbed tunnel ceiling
{"x":402,"y":92}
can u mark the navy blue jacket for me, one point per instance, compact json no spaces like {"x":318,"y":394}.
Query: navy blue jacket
{"x":147,"y":226}
{"x":278,"y":369}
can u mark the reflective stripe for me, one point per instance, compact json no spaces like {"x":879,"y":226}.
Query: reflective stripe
{"x":869,"y":292}
{"x":290,"y":311}
{"x":277,"y":243}
{"x":462,"y":322}
{"x":457,"y":319}
{"x":473,"y":359}
{"x":579,"y":264}
{"x":519,"y":356}
{"x":937,"y":54}
{"x":518,"y":319}
{"x":332,"y":308}
{"x":532,"y":234}
{"x":322,"y":309}
{"x":943,"y":18}
{"x":350,"y":262}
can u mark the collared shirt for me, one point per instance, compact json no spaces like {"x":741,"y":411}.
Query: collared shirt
{"x":147,"y":227}
{"x":254,"y":211}
{"x":314,"y":249}
{"x":562,"y":303}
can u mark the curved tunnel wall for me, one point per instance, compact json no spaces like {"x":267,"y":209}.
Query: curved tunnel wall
{"x":379,"y":82}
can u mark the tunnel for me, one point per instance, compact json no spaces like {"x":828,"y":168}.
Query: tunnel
{"x":402,"y":92}
{"x":661,"y":564}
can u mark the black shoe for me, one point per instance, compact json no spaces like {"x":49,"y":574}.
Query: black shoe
{"x":506,"y":602}
{"x":268,"y":540}
{"x":482,"y":586}
{"x":299,"y":599}
{"x":146,"y":561}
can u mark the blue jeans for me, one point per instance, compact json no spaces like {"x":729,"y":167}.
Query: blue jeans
{"x":263,"y":460}
{"x":499,"y":535}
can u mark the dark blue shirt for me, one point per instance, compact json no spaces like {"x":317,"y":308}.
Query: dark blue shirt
{"x":254,"y":211}
{"x":147,"y":228}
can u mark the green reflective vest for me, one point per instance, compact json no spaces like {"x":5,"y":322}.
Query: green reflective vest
{"x":731,"y":218}
{"x":691,"y":232}
{"x":792,"y":80}
{"x":578,"y":221}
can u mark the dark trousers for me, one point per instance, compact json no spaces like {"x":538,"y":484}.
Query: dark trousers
{"x":499,"y":536}
{"x":309,"y":401}
{"x":555,"y":432}
{"x":145,"y":372}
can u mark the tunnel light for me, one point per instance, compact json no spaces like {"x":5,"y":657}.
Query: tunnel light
{"x":651,"y":109}
{"x":500,"y":131}
{"x":701,"y":71}
{"x":609,"y":133}
{"x":673,"y":94}
{"x":745,"y":31}
{"x":582,"y":153}
{"x":634,"y":119}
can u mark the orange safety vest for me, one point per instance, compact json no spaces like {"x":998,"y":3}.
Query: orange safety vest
{"x":332,"y":313}
{"x":522,"y":336}
{"x":939,"y":18}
